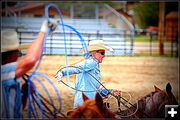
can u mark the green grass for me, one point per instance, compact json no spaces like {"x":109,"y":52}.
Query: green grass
{"x":142,"y":38}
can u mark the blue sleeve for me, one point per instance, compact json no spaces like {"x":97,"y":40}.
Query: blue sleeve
{"x":86,"y":65}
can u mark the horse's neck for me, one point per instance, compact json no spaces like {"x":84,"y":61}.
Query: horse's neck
{"x":146,"y":107}
{"x":153,"y":104}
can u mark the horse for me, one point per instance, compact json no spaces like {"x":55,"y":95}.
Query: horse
{"x":91,"y":108}
{"x":152,"y":105}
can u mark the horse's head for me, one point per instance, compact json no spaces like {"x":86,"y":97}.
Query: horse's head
{"x":154,"y":103}
{"x":91,"y":108}
{"x":162,"y":98}
{"x":171,"y":100}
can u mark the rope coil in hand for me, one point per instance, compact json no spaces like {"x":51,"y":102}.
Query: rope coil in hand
{"x":31,"y":99}
{"x":32,"y":102}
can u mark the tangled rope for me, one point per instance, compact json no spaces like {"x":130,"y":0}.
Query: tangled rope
{"x":118,"y":95}
{"x":111,"y":93}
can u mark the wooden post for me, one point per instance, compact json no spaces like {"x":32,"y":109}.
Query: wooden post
{"x":161,"y":27}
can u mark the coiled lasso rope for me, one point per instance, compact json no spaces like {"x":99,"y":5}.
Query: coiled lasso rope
{"x":31,"y":100}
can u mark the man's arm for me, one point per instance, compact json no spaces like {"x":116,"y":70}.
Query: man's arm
{"x":32,"y":56}
{"x":34,"y":51}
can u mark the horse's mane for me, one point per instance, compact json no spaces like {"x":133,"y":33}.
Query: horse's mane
{"x":91,"y":108}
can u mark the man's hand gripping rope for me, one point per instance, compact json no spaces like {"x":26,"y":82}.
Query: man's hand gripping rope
{"x":53,"y":23}
{"x":59,"y":76}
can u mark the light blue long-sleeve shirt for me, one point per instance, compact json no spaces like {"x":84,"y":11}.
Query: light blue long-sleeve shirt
{"x":85,"y":81}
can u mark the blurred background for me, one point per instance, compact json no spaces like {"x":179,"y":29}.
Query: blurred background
{"x":130,"y":28}
{"x":144,"y":36}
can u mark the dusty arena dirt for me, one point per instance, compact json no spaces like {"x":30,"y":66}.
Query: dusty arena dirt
{"x":136,"y":75}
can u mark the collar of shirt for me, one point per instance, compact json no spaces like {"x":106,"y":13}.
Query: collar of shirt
{"x":94,"y":59}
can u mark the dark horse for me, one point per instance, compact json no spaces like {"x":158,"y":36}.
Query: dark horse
{"x":152,"y":105}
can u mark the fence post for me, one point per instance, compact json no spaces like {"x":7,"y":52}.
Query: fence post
{"x":151,"y":35}
{"x":132,"y":40}
{"x":97,"y":35}
{"x":70,"y":43}
{"x":177,"y":44}
{"x":51,"y":48}
{"x":89,"y":35}
{"x":124,"y":35}
{"x":20,"y":53}
{"x":161,"y":27}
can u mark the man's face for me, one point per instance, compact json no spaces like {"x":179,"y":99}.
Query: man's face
{"x":99,"y":55}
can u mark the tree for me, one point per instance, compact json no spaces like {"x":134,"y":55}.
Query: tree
{"x":146,"y":14}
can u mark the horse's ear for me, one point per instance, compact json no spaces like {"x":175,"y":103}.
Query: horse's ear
{"x":156,"y":88}
{"x":170,"y":94}
{"x":168,"y":89}
{"x":99,"y":101}
{"x":84,"y":97}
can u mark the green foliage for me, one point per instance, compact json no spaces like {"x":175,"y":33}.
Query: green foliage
{"x":146,"y":14}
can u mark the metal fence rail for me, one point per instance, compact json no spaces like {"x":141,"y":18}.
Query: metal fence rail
{"x":28,"y":28}
{"x":55,"y":42}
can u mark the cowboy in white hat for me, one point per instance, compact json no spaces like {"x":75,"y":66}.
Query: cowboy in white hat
{"x":87,"y":81}
{"x":12,"y":70}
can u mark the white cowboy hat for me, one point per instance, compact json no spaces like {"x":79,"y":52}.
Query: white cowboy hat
{"x":96,"y":45}
{"x":10,"y":41}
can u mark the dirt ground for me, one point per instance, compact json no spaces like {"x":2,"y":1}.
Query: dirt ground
{"x":136,"y":75}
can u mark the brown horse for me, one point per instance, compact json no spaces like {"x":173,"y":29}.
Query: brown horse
{"x":152,"y":105}
{"x":91,"y":108}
